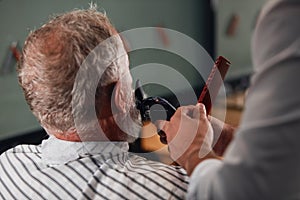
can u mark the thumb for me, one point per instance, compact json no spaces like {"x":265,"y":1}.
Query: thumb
{"x":201,"y":112}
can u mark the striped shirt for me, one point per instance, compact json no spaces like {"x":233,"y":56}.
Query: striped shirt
{"x":59,"y":169}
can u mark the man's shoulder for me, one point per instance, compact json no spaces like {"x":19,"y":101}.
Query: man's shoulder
{"x":150,"y":166}
{"x":20,"y":159}
{"x":166,"y":180}
{"x":24,"y":154}
{"x":24,"y":148}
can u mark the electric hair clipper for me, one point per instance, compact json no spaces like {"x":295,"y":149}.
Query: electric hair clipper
{"x":146,"y":106}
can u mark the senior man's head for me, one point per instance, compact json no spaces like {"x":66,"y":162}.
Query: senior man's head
{"x":73,"y":66}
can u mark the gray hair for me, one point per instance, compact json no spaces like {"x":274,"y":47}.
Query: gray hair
{"x":54,"y":53}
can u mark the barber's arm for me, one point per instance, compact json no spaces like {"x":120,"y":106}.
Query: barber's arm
{"x":262,"y":162}
{"x":223,"y":135}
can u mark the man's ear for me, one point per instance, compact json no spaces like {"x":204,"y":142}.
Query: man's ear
{"x":120,"y":98}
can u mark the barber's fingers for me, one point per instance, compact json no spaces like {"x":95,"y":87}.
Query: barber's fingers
{"x":200,"y":112}
{"x":161,"y":124}
{"x":167,"y":130}
{"x":183,"y":111}
{"x":191,"y":111}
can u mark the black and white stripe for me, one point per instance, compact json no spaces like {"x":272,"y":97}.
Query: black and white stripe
{"x":122,"y":176}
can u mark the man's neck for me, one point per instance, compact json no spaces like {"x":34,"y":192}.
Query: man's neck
{"x":73,"y":137}
{"x":108,"y":126}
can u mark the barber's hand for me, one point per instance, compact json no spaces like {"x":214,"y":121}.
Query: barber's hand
{"x":189,"y":136}
{"x":223,"y":134}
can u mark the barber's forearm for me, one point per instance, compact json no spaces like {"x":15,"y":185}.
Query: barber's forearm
{"x":225,"y":139}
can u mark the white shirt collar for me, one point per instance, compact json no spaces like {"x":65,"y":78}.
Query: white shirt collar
{"x":56,"y":151}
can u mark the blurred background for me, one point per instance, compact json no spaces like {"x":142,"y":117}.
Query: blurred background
{"x":222,"y":27}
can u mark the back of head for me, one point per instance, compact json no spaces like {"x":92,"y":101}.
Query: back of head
{"x":52,"y":56}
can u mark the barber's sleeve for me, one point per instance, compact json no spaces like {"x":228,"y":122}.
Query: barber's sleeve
{"x":199,"y":189}
{"x":263,"y":160}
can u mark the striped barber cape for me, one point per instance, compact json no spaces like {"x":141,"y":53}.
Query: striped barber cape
{"x":59,"y":169}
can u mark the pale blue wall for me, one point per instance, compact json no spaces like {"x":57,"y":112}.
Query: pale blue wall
{"x":237,"y":47}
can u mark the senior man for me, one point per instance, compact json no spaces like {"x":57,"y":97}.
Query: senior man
{"x":72,"y":69}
